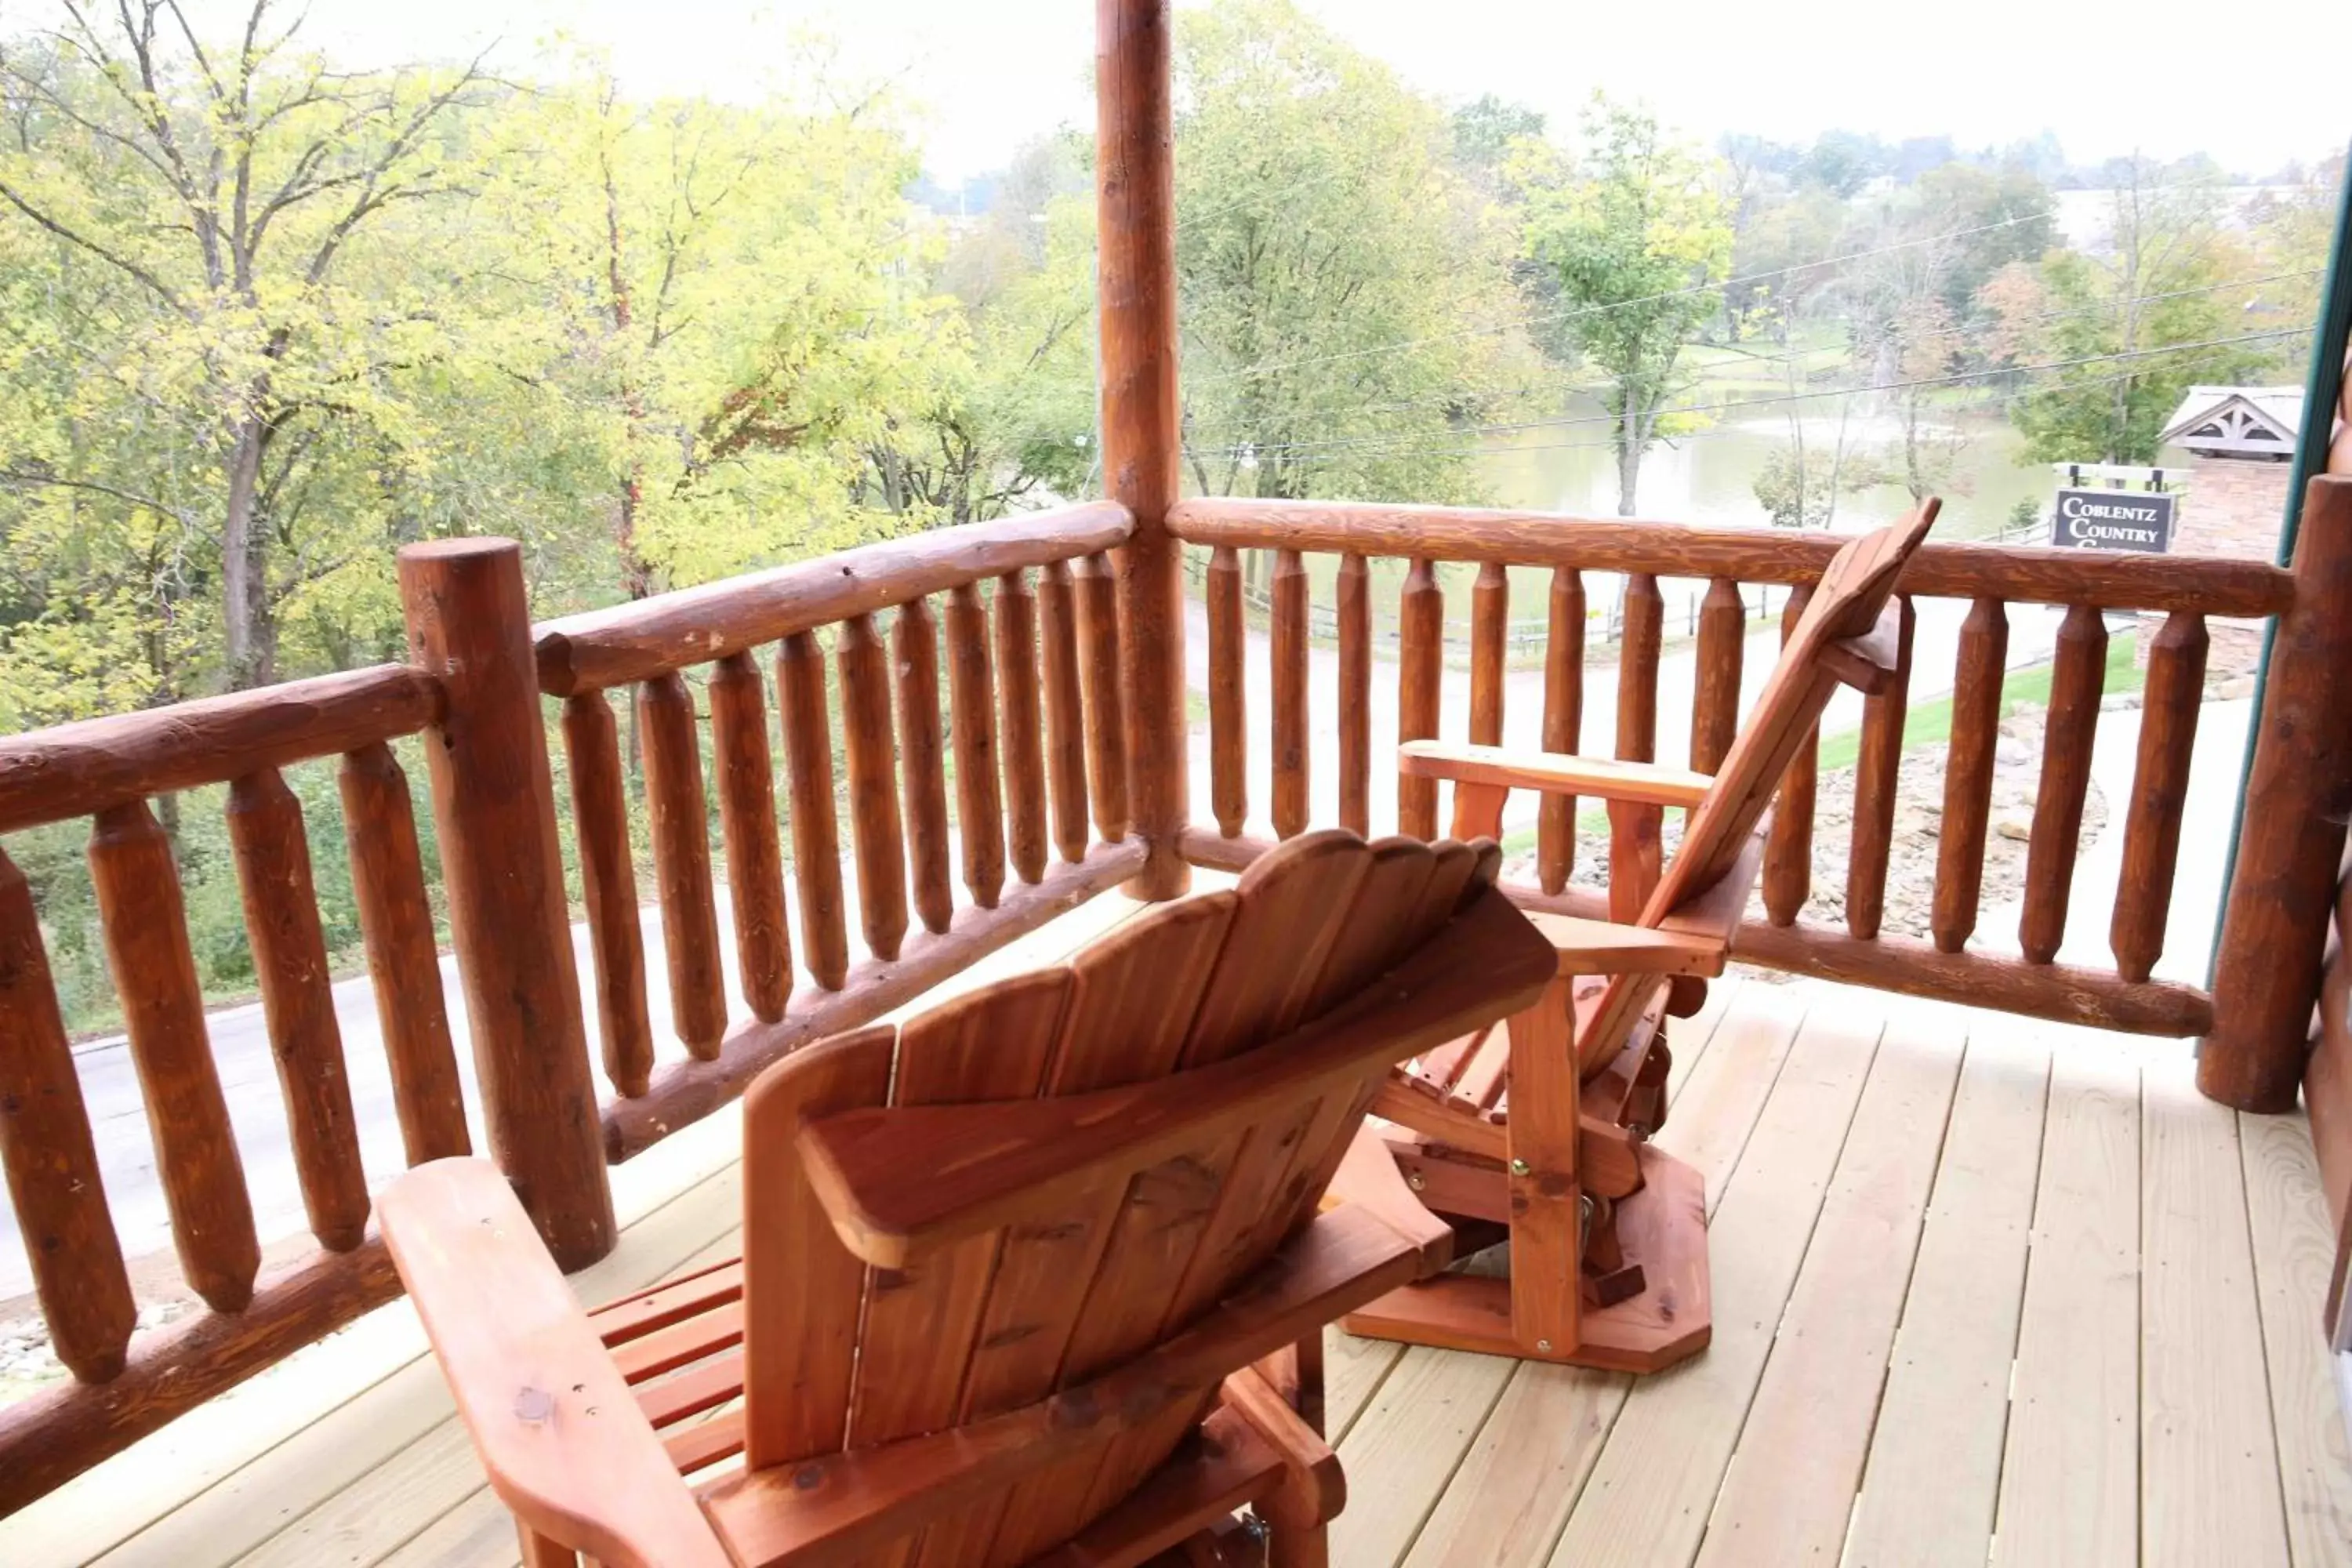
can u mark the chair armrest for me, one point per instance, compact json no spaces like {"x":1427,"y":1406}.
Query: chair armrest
{"x":1604,"y":947}
{"x":1867,"y":662}
{"x":1554,"y":772}
{"x":561,"y":1437}
{"x":1714,"y":915}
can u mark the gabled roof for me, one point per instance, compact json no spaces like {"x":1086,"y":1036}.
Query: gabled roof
{"x":2243,"y":420}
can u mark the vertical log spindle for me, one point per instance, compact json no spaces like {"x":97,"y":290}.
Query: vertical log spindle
{"x":468,"y":620}
{"x":404,"y":960}
{"x":1355,"y":715}
{"x":2077,"y":673}
{"x":1789,"y":846}
{"x":1421,"y":620}
{"x":1715,"y":708}
{"x":2283,"y":891}
{"x":922,"y":761}
{"x":1563,"y":723}
{"x":1288,"y":649}
{"x":146,"y":924}
{"x":1066,"y":738}
{"x":876,"y":834}
{"x":1103,"y":693}
{"x":298,"y":1004}
{"x":1876,"y":772}
{"x":1635,"y":856}
{"x":980,"y":790}
{"x":1478,"y":811}
{"x":2168,"y":734}
{"x":1967,"y":773}
{"x":816,"y":840}
{"x":678,"y":816}
{"x":1228,"y":695}
{"x":745,"y":764}
{"x":1020,"y":722}
{"x":608,"y":884}
{"x":50,"y":1158}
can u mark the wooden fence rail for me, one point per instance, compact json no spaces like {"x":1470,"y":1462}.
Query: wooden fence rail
{"x":1729,"y":561}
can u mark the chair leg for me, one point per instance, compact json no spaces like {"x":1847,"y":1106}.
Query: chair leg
{"x":1297,"y":1548}
{"x":539,"y":1551}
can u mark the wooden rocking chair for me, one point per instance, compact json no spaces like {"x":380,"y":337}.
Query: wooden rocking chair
{"x":1540,"y":1127}
{"x":1039,"y":1277}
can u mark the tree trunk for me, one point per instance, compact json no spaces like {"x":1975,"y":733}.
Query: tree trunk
{"x":251,"y":627}
{"x":1628,"y":456}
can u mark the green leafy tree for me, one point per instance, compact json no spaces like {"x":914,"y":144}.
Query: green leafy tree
{"x":1637,"y":242}
{"x":1345,"y":299}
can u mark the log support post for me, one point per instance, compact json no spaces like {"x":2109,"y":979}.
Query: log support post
{"x":493,"y":802}
{"x":2298,"y":791}
{"x":1136,"y":205}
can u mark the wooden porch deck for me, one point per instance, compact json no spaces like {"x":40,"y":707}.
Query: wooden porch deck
{"x":1984,"y":1288}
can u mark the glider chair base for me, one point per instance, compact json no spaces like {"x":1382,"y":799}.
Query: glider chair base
{"x":1662,"y":1230}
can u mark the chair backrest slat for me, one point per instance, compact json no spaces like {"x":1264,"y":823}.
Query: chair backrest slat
{"x":996,"y":1321}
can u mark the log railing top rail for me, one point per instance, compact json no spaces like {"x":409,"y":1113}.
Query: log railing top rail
{"x":652,"y":636}
{"x":84,"y":768}
{"x":2101,"y":579}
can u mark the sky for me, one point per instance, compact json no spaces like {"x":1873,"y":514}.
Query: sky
{"x":2109,"y":76}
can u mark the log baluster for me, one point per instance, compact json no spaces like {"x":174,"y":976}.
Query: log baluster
{"x":404,"y":963}
{"x":1066,"y":738}
{"x":1789,"y":846}
{"x":1421,"y":619}
{"x":139,"y":904}
{"x":1288,"y":648}
{"x":877,"y":836}
{"x":1019,"y":723}
{"x":1355,"y":715}
{"x":1103,"y":695}
{"x":50,"y":1158}
{"x":1715,"y":706}
{"x":816,"y":840}
{"x":1635,"y":855}
{"x":1490,"y":622}
{"x":745,"y":765}
{"x":1877,"y":773}
{"x":915,"y":649}
{"x":2168,"y":734}
{"x":298,"y":1004}
{"x":980,"y":791}
{"x":468,"y":621}
{"x":1967,"y":773}
{"x":677,"y":812}
{"x":1228,"y":696}
{"x":1563,"y":723}
{"x":2076,"y":674}
{"x":2284,"y":889}
{"x":608,"y":884}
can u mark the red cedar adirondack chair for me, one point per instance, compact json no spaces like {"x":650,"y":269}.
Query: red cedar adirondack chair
{"x":1040,"y":1277}
{"x":1608,"y":1234}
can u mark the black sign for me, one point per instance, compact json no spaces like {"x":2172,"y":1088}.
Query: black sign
{"x":2112,"y":519}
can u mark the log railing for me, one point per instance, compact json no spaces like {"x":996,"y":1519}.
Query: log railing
{"x":1024,"y":616}
{"x":1729,"y":561}
{"x":105,"y":770}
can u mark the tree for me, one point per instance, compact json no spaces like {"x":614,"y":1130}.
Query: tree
{"x":1637,"y":244}
{"x":1344,"y":298}
{"x":212,"y":209}
{"x":2157,"y":280}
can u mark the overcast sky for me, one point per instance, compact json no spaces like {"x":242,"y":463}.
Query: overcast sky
{"x":2108,"y":76}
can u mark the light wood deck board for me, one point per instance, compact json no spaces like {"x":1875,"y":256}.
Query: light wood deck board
{"x":1650,"y":1495}
{"x":1468,"y":1462}
{"x":2070,"y":1475}
{"x":2207,"y":1461}
{"x":2293,"y":1248}
{"x":1933,"y":1478}
{"x":1788,"y":1493}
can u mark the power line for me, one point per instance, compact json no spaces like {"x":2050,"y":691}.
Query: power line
{"x":1579,"y":312}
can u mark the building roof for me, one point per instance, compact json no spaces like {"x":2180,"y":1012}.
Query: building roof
{"x":2238,"y":421}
